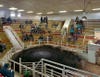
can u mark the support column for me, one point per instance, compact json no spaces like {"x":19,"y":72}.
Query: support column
{"x":51,"y":73}
{"x":42,"y":66}
{"x":92,"y":48}
{"x":33,"y":66}
{"x":45,"y":69}
{"x":61,"y":42}
{"x":39,"y":42}
{"x":63,"y":72}
{"x":20,"y":68}
{"x":14,"y":66}
{"x":47,"y":39}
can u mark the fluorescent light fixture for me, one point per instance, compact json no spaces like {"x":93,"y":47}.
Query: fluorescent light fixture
{"x":78,"y":10}
{"x":64,"y":11}
{"x":39,"y":13}
{"x":12,"y":14}
{"x":19,"y":15}
{"x":13,"y":8}
{"x":21,"y":10}
{"x":96,"y":9}
{"x":1,"y":5}
{"x":29,"y":11}
{"x":50,"y":12}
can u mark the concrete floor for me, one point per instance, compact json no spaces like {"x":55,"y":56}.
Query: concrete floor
{"x":17,"y":75}
{"x":92,"y":68}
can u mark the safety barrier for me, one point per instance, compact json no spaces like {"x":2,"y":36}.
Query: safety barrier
{"x":74,"y":48}
{"x":47,"y":68}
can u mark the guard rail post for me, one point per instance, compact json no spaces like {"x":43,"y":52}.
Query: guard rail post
{"x":20,"y":69}
{"x":33,"y":66}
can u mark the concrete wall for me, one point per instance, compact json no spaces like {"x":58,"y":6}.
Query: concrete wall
{"x":67,"y":16}
{"x":92,"y":48}
{"x":91,"y":15}
{"x":2,"y":13}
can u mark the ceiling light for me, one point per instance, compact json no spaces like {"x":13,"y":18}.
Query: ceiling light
{"x":19,"y":15}
{"x":29,"y":11}
{"x":1,"y":5}
{"x":12,"y":14}
{"x":13,"y":8}
{"x":39,"y":13}
{"x":21,"y":10}
{"x":96,"y":9}
{"x":50,"y":12}
{"x":64,"y":11}
{"x":78,"y":10}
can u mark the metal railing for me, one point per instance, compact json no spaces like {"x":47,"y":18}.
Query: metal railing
{"x":16,"y":36}
{"x":32,"y":70}
{"x":67,"y":69}
{"x":47,"y":68}
{"x":74,"y":48}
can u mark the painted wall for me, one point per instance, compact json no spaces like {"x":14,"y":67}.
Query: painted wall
{"x":66,"y":17}
{"x":2,"y":13}
{"x":92,"y":48}
{"x":92,"y":15}
{"x":73,"y":16}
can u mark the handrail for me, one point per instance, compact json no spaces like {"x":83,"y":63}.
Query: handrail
{"x":27,"y":62}
{"x":12,"y":37}
{"x":53,"y":71}
{"x":7,"y":56}
{"x":66,"y":70}
{"x":86,"y":72}
{"x":29,"y":68}
{"x":17,"y":38}
{"x":63,"y":46}
{"x":38,"y":64}
{"x":53,"y":64}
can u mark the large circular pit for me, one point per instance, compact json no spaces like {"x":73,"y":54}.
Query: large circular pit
{"x":49,"y":52}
